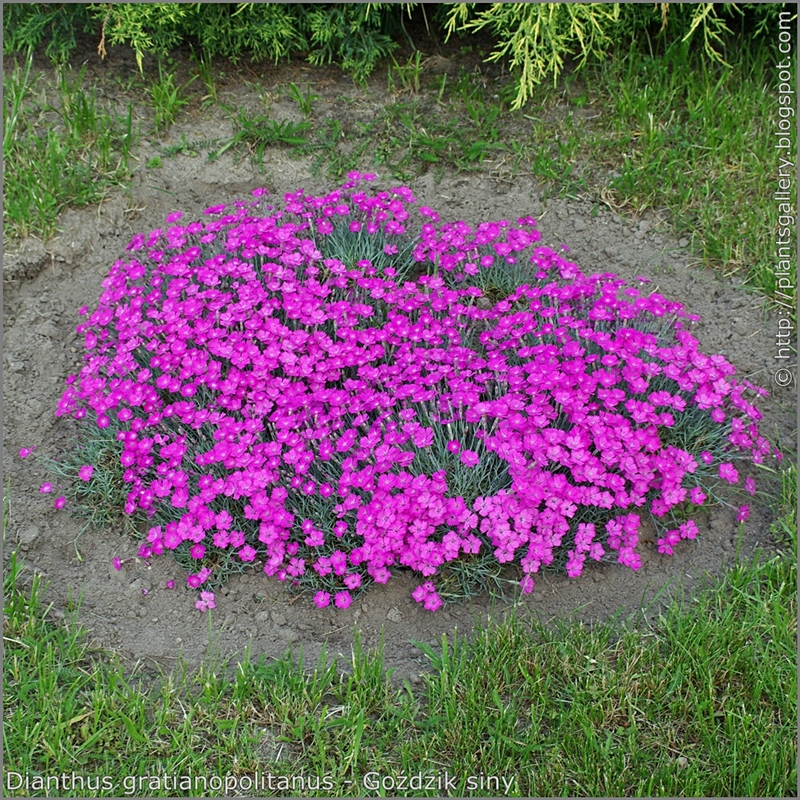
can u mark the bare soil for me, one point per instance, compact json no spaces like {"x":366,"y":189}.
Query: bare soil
{"x":45,"y":284}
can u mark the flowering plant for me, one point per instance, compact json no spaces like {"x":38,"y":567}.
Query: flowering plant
{"x":342,"y":388}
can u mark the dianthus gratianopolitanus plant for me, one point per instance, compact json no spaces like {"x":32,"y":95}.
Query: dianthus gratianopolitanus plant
{"x":344,"y":387}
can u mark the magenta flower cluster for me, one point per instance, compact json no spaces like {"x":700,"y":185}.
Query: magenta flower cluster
{"x":334,"y":420}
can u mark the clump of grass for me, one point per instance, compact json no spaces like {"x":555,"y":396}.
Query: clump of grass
{"x":305,"y":100}
{"x":259,"y":132}
{"x":166,"y":98}
{"x":702,"y":704}
{"x":67,"y":154}
{"x":785,"y":526}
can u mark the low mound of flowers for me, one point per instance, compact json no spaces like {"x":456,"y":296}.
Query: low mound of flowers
{"x":344,"y":387}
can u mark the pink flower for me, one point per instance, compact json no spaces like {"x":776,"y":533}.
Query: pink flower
{"x":432,"y":602}
{"x":343,"y":599}
{"x":697,"y":496}
{"x":26,"y":451}
{"x":744,"y":513}
{"x":117,"y":563}
{"x":453,"y":446}
{"x":728,"y":472}
{"x":574,"y":565}
{"x":206,"y":601}
{"x":750,"y":486}
{"x":707,"y":457}
{"x":85,"y":472}
{"x":46,"y":488}
{"x":174,"y":216}
{"x":352,"y":581}
{"x":198,"y":551}
{"x":469,"y":458}
{"x":322,"y":599}
{"x":596,"y":551}
{"x":664,"y":547}
{"x":169,"y":584}
{"x":422,"y":592}
{"x":247,"y":553}
{"x":60,"y":502}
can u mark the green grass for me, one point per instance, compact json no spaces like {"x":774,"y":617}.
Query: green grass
{"x":698,"y":142}
{"x":257,"y":132}
{"x":60,"y":148}
{"x":701,"y":703}
{"x":166,"y":98}
{"x":305,"y":100}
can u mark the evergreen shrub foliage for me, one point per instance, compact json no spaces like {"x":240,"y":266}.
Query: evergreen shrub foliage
{"x":534,"y":39}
